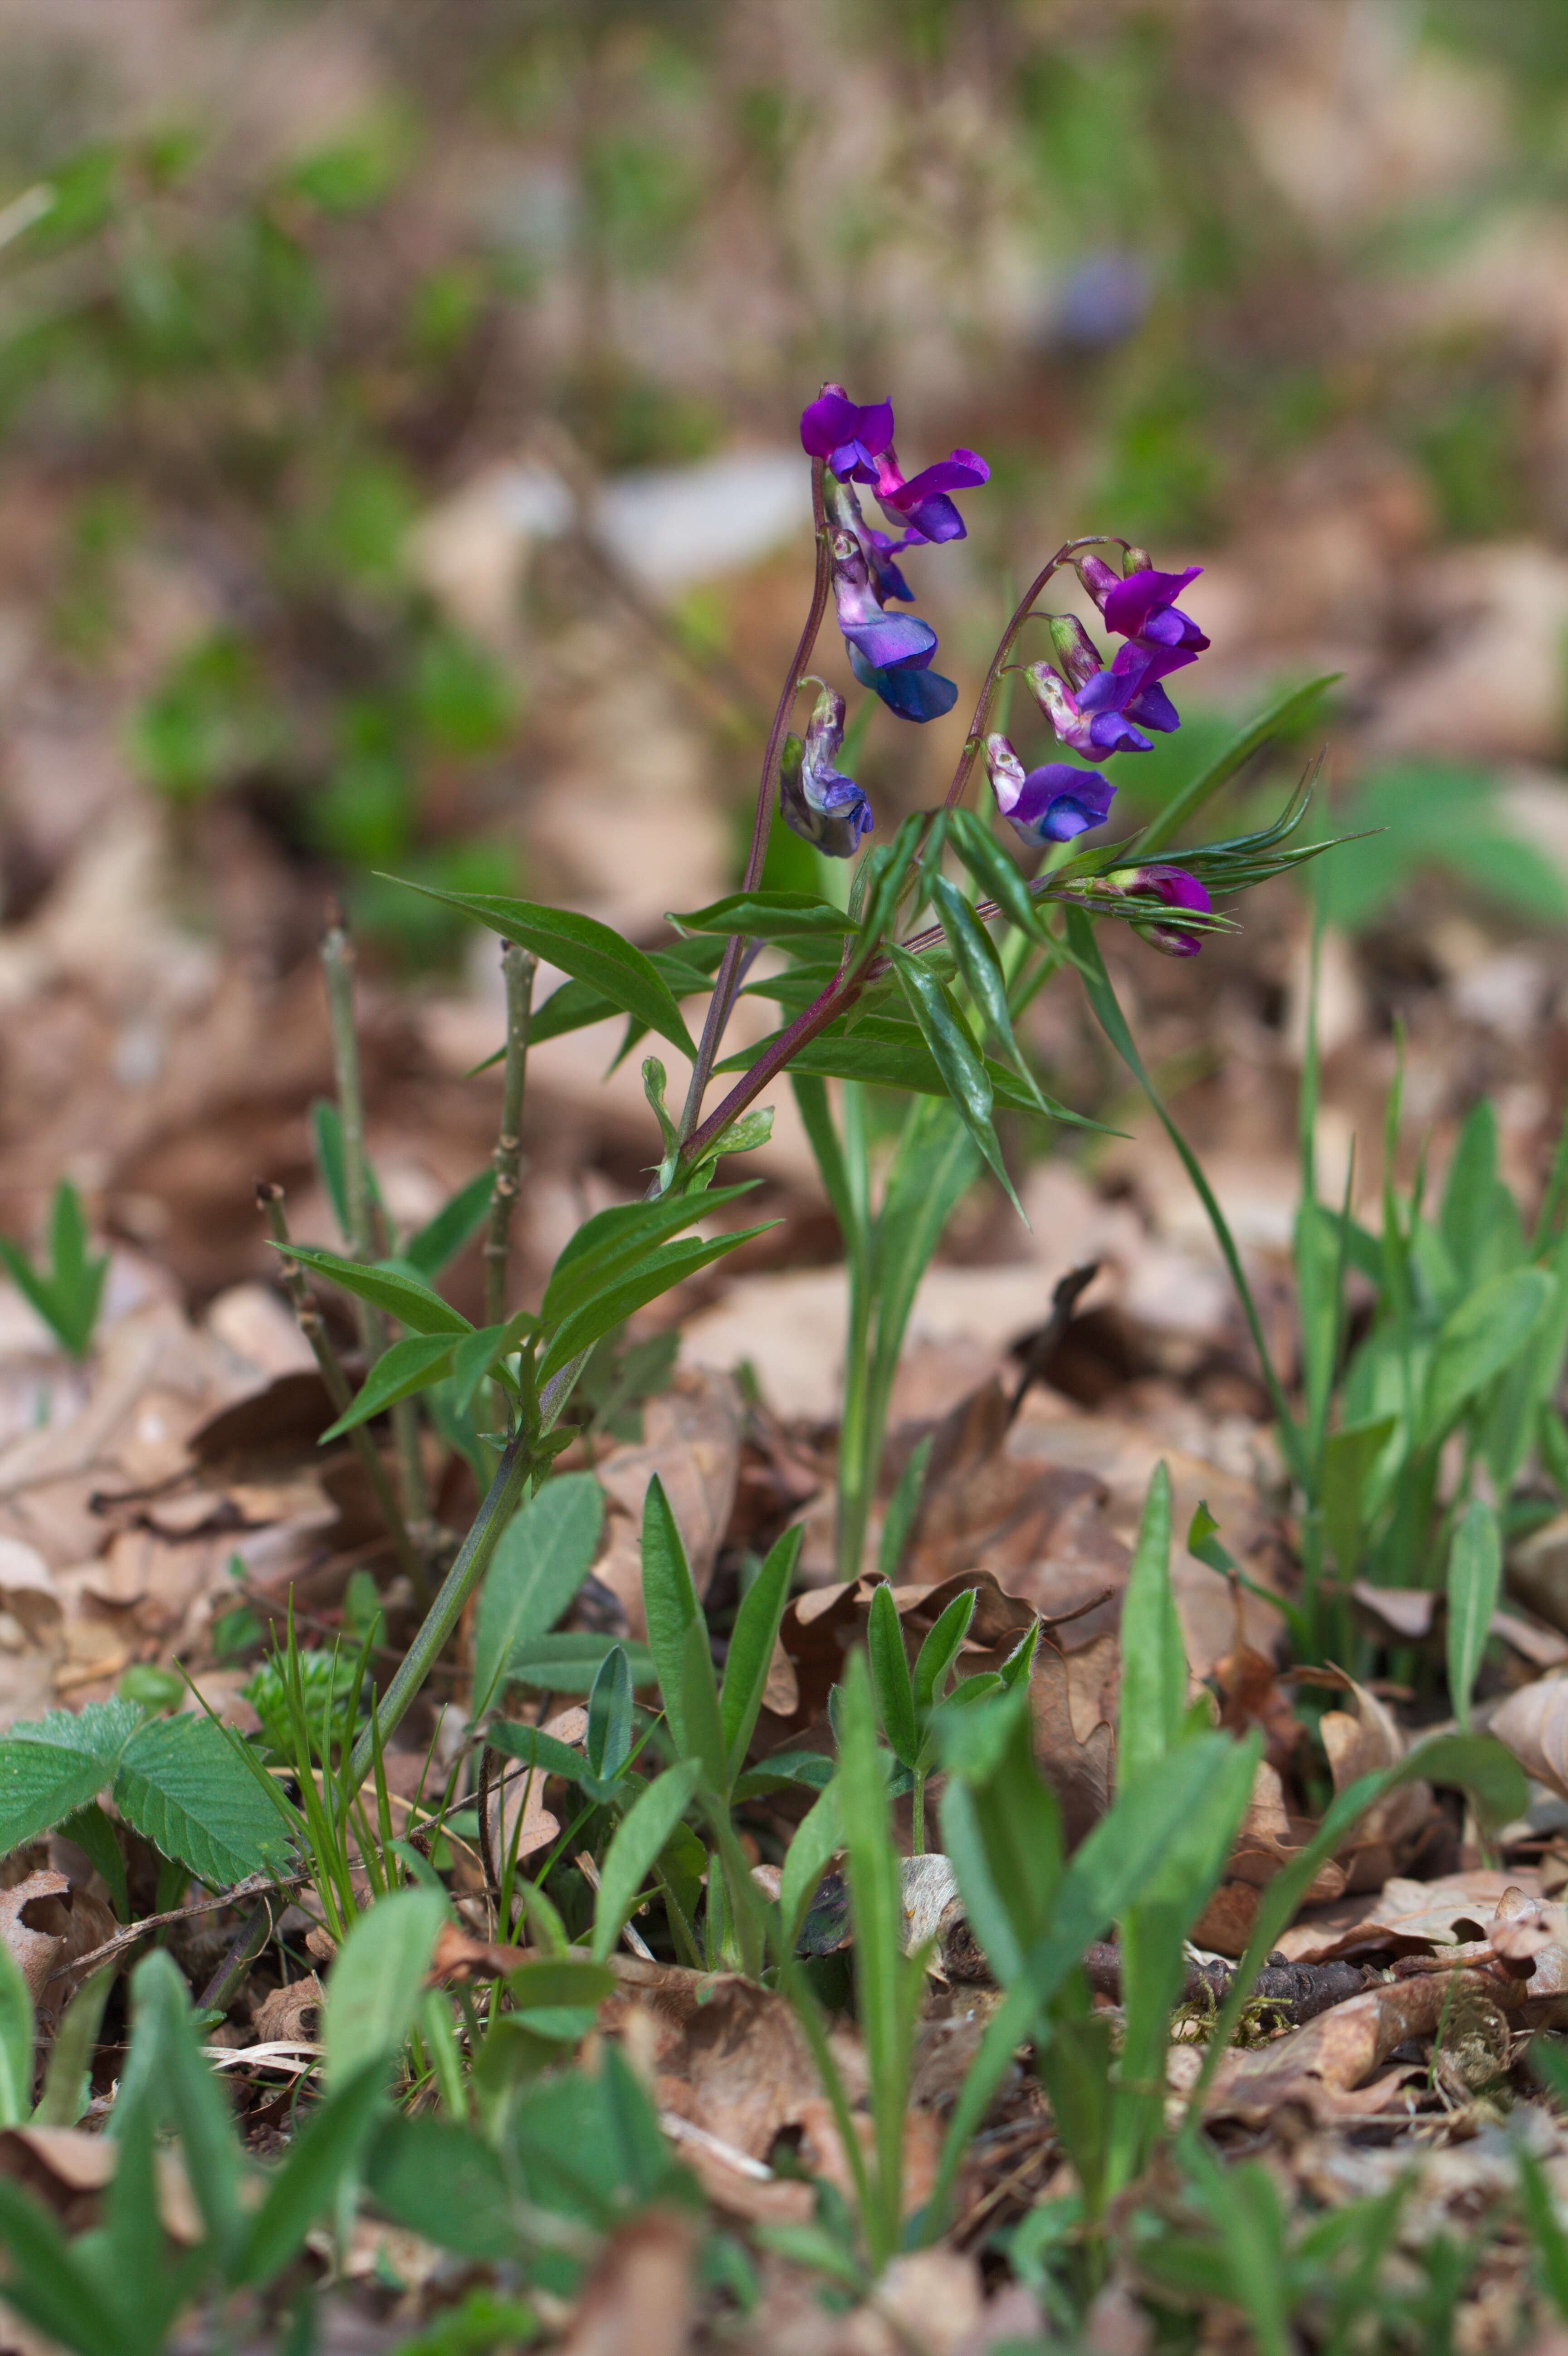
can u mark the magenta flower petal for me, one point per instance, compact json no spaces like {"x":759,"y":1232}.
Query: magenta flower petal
{"x":826,"y":422}
{"x":963,"y":471}
{"x":1130,"y":602}
{"x":1057,"y":802}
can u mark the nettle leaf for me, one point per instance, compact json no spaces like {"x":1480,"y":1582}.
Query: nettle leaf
{"x":182,"y":1785}
{"x":770,"y":916}
{"x":404,"y":1297}
{"x":584,"y":948}
{"x":410,"y":1365}
{"x":52,"y":1767}
{"x":541,"y":1558}
{"x":657,"y":1274}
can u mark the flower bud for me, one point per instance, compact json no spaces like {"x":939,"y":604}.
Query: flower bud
{"x":1136,"y":560}
{"x":1178,"y":889}
{"x":1075,"y":650}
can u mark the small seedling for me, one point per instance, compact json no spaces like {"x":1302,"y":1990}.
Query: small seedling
{"x":67,"y":1290}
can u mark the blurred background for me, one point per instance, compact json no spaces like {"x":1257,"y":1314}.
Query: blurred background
{"x":399,"y":474}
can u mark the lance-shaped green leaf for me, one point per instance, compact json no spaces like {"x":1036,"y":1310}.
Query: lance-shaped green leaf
{"x":941,"y":1649}
{"x":413,"y":1304}
{"x":956,"y":1057}
{"x":607,"y":1744}
{"x":1485,"y":1334}
{"x":770,"y":916}
{"x":581,"y":945}
{"x":479,"y":1353}
{"x":1290,"y":711}
{"x":613,"y":1243}
{"x":684,"y":969}
{"x":541,"y":1558}
{"x":975,"y":954}
{"x":658,"y":1274}
{"x":410,"y":1365}
{"x":1475,"y":1575}
{"x":15,"y":2043}
{"x":640,"y":1836}
{"x":888,"y":1052}
{"x":442,"y":1238}
{"x":570,"y":1662}
{"x":818,"y":1837}
{"x":891,"y":1680}
{"x":1154,"y":1659}
{"x":534,"y":1748}
{"x":376,"y":1979}
{"x":994,"y":873}
{"x":750,"y":1653}
{"x":670,"y":1604}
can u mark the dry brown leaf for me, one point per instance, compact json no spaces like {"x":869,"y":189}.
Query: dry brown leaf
{"x":291,"y":2012}
{"x":35,"y":1923}
{"x":1406,"y":1917}
{"x":1533,"y":1723}
{"x":1337,"y":2052}
{"x":727,"y":2054}
{"x":692,"y":1440}
{"x":640,"y":2292}
{"x":67,"y":2168}
{"x":1362,"y":1741}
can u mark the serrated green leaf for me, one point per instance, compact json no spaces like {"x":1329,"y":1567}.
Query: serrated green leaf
{"x":410,"y":1366}
{"x":181,"y":1785}
{"x":584,"y":948}
{"x":52,"y":1766}
{"x":541,"y":1558}
{"x":402,"y":1297}
{"x":658,"y":1274}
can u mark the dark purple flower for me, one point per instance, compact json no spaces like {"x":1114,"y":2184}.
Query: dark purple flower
{"x":849,"y":438}
{"x":913,"y":694}
{"x":815,"y":799}
{"x":1052,"y":804}
{"x":887,"y":641}
{"x":1141,"y":608}
{"x":921,"y":504}
{"x":1108,"y":711}
{"x":1178,"y":889}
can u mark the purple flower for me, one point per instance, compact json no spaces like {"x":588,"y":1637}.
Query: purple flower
{"x":1141,"y":608}
{"x":1178,"y":889}
{"x":913,"y":694}
{"x":849,"y":438}
{"x":816,"y":800}
{"x":887,"y":641}
{"x":921,"y":504}
{"x":1052,"y":804}
{"x":1107,"y":711}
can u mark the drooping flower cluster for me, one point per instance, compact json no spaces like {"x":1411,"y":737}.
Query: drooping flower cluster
{"x":1102,"y":707}
{"x":890,"y":653}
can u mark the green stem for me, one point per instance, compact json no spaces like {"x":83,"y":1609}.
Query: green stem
{"x":728,"y":979}
{"x":269,"y":1200}
{"x":518,"y":967}
{"x":501,"y":1500}
{"x":857,"y":1455}
{"x":337,"y":964}
{"x":917,"y":1813}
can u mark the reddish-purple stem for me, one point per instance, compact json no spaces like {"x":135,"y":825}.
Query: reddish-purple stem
{"x":728,"y":979}
{"x":972,"y":742}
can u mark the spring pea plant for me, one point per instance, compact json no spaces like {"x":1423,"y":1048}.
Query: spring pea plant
{"x":870,"y":994}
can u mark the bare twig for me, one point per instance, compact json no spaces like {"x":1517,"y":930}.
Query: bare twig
{"x":313,"y":1325}
{"x":518,"y":967}
{"x":134,"y":1931}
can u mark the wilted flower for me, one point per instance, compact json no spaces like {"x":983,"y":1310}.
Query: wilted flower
{"x":1178,"y":889}
{"x":815,"y":799}
{"x":1142,"y":606}
{"x":1051,"y":804}
{"x":1108,"y":710}
{"x":857,"y":445}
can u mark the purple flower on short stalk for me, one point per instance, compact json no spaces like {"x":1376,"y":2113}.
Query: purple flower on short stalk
{"x":1051,"y":804}
{"x":1143,"y":607}
{"x":857,"y":445}
{"x":1108,"y":711}
{"x":848,"y":438}
{"x":815,"y":799}
{"x":1178,"y":889}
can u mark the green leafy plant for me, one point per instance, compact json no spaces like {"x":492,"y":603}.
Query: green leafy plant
{"x":67,"y":1289}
